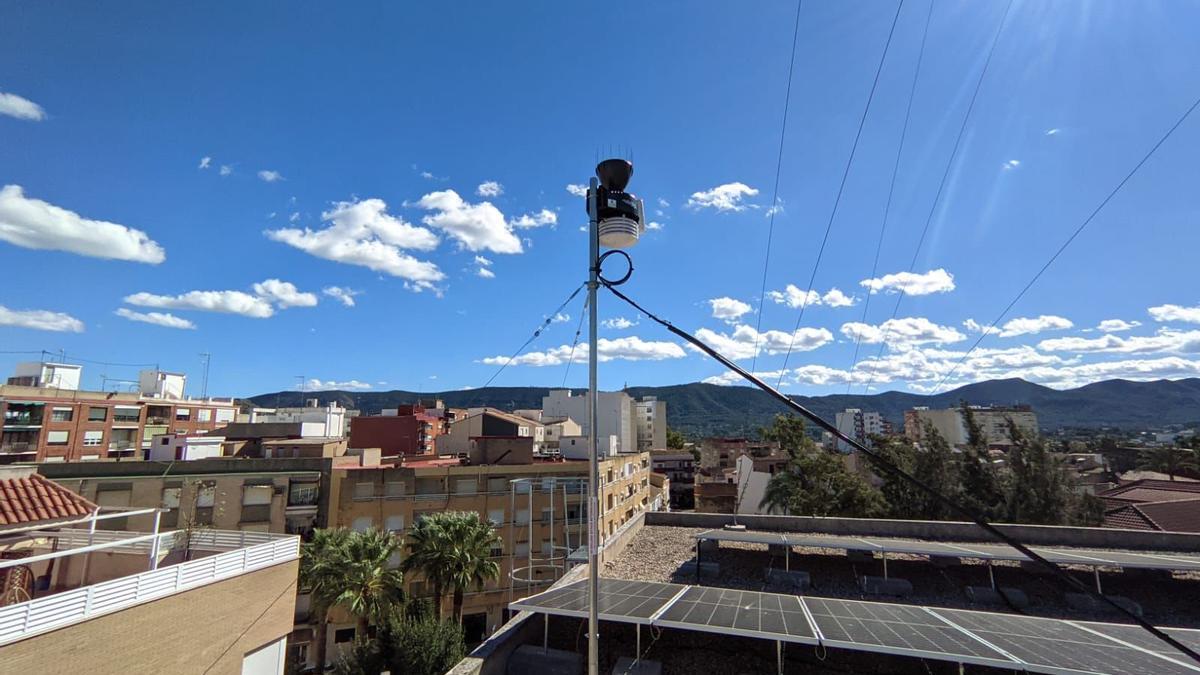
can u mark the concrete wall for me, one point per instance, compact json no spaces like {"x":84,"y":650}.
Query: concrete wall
{"x":1046,"y":535}
{"x":208,"y":629}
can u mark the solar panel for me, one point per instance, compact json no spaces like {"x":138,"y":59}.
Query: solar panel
{"x":628,"y":601}
{"x":747,"y":613}
{"x":1139,"y":637}
{"x":743,"y":537}
{"x":823,"y":541}
{"x":897,"y":629}
{"x":1052,"y":646}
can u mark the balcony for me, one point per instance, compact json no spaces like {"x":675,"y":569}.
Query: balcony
{"x":18,"y":448}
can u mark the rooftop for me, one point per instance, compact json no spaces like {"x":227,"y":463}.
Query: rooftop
{"x":32,"y":500}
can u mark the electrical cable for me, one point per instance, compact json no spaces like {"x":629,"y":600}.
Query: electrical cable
{"x":891,"y":186}
{"x":575,"y":342}
{"x":787,"y":98}
{"x":862,"y":121}
{"x":544,"y":325}
{"x":945,"y":176}
{"x":888,"y":467}
{"x":1087,"y":221}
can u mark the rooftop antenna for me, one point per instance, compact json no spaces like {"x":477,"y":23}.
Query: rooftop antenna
{"x":204,"y":383}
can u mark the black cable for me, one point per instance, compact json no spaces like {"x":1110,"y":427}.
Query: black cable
{"x":891,"y":187}
{"x":1087,"y":221}
{"x":841,"y":188}
{"x":545,"y":324}
{"x":945,"y":175}
{"x":890,"y":468}
{"x":787,"y":98}
{"x":575,"y":342}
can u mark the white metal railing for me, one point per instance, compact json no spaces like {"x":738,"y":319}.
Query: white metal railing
{"x":40,"y":615}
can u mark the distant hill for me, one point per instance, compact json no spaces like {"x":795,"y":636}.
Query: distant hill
{"x":710,"y":410}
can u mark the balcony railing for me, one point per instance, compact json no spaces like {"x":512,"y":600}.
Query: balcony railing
{"x":16,"y":447}
{"x":52,"y":612}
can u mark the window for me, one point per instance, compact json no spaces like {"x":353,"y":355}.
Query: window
{"x":92,"y":438}
{"x":225,"y":414}
{"x":546,"y":514}
{"x":257,"y":495}
{"x":206,"y":495}
{"x":57,"y":437}
{"x":364,"y":490}
{"x":394,"y":523}
{"x":522,"y":516}
{"x":547,"y":549}
{"x":183,"y":414}
{"x":62,"y":415}
{"x":394,"y":489}
{"x":497,"y":550}
{"x":203,"y":415}
{"x":496,"y":516}
{"x":521,"y":549}
{"x":465,"y":486}
{"x":497,"y":485}
{"x":343,"y":635}
{"x":97,"y":414}
{"x":303,"y":494}
{"x":126,"y":415}
{"x":170,"y":497}
{"x":393,"y":560}
{"x":362,"y":524}
{"x":165,"y":440}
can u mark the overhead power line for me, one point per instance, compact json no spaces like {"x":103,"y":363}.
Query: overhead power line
{"x":545,"y":324}
{"x":787,"y":98}
{"x":841,"y":188}
{"x":1078,"y":230}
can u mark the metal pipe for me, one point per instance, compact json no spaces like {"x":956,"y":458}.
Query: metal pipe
{"x":155,"y":544}
{"x":593,"y":436}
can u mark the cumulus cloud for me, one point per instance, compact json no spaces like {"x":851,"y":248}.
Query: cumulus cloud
{"x":225,"y":170}
{"x":284,"y":294}
{"x":728,"y":309}
{"x":341,"y":294}
{"x":485,"y":273}
{"x":740,"y":344}
{"x":270,"y":176}
{"x":40,"y":319}
{"x":560,"y":318}
{"x":909,"y":283}
{"x":1175,"y":313}
{"x":315,"y":384}
{"x":1187,"y":342}
{"x":795,"y":298}
{"x":363,"y":233}
{"x":577,"y":189}
{"x":976,"y":327}
{"x":732,"y":379}
{"x":20,"y":108}
{"x":727,"y":197}
{"x":654,"y":225}
{"x":164,"y":319}
{"x":543,"y":217}
{"x":205,"y":162}
{"x":619,"y":349}
{"x":476,"y":227}
{"x":618,"y":323}
{"x":1037,"y":324}
{"x":1117,"y":325}
{"x":489,"y":188}
{"x":33,"y":223}
{"x":902,"y":332}
{"x":229,"y":302}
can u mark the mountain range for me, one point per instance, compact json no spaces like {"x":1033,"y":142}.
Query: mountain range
{"x":700,"y":410}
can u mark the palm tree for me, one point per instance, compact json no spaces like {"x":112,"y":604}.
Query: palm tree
{"x":1168,"y":460}
{"x":430,"y":545}
{"x":321,"y":575}
{"x":370,"y":588}
{"x":470,"y":558}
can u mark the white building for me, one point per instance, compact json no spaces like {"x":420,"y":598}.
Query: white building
{"x":557,"y":429}
{"x":161,"y":384}
{"x":167,"y":447}
{"x":650,"y":414}
{"x":614,"y":414}
{"x":860,"y":426}
{"x":576,"y":447}
{"x":47,"y":375}
{"x":332,"y":417}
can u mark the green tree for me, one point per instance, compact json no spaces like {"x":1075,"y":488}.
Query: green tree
{"x":814,"y":482}
{"x":675,"y":440}
{"x":469,"y":561}
{"x":369,"y":586}
{"x":1168,"y":460}
{"x":431,"y":545}
{"x":413,"y":646}
{"x":1039,"y":490}
{"x":981,"y":488}
{"x":321,"y":576}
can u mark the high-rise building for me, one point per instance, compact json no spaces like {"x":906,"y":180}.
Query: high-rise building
{"x":650,"y":415}
{"x":952,"y":426}
{"x":614,"y":414}
{"x":859,"y":425}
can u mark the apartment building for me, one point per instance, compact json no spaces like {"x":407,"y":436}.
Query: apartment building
{"x":404,"y":431}
{"x":860,"y":425}
{"x":614,"y":414}
{"x":951,"y":425}
{"x":650,"y":415}
{"x":480,"y":422}
{"x":331,"y":417}
{"x":59,"y":424}
{"x":114,"y":601}
{"x":679,"y":466}
{"x":538,"y":509}
{"x":717,"y":454}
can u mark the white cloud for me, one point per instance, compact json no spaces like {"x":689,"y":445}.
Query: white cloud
{"x":740,"y":344}
{"x":270,"y":176}
{"x":663,"y":203}
{"x":363,"y":233}
{"x":577,"y":189}
{"x":727,"y":197}
{"x":427,"y":176}
{"x":284,"y":294}
{"x":327,"y":385}
{"x":560,"y":318}
{"x":976,"y":327}
{"x":476,"y":227}
{"x":543,"y":217}
{"x":654,"y":225}
{"x":1053,"y":132}
{"x":728,"y":309}
{"x":205,"y":162}
{"x":341,"y":294}
{"x":163,"y":319}
{"x":795,"y":298}
{"x":1175,"y":313}
{"x":909,"y":283}
{"x":836,"y":298}
{"x":20,"y":108}
{"x":1187,"y":342}
{"x":489,"y":188}
{"x":1117,"y":325}
{"x":618,"y":323}
{"x":731,"y":379}
{"x":902,"y":332}
{"x":1030,"y":325}
{"x":225,"y":170}
{"x":1011,"y":164}
{"x":630,"y":348}
{"x":485,"y":273}
{"x":229,"y":302}
{"x":33,"y":223}
{"x":40,"y":319}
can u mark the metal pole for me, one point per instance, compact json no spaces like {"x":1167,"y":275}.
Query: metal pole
{"x":593,"y":436}
{"x":155,"y":543}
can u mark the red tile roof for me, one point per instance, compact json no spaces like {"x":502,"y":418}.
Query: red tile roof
{"x":32,"y":499}
{"x":1178,"y":515}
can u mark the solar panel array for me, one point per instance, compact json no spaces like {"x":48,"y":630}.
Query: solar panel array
{"x":1010,"y":641}
{"x":1093,"y":557}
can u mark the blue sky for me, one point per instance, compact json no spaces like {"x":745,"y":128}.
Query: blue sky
{"x":415,"y":162}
